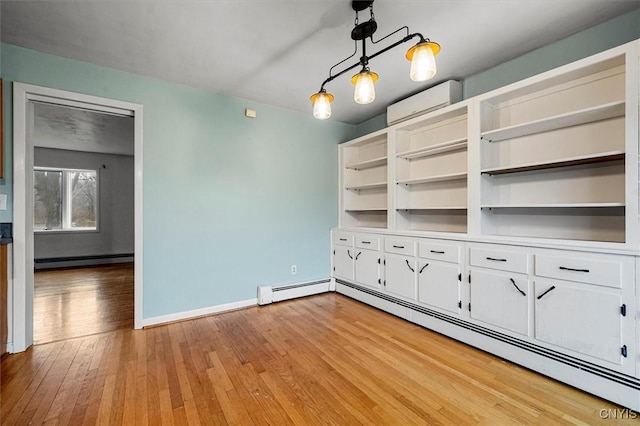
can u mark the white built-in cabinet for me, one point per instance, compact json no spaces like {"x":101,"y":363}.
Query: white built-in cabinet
{"x":400,"y":267}
{"x":552,"y":159}
{"x":363,"y":177}
{"x":440,"y":275}
{"x":515,"y":213}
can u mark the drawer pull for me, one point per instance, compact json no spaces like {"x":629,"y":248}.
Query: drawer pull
{"x":564,"y":268}
{"x":422,"y":269}
{"x":358,"y":255}
{"x":365,"y":242}
{"x":436,"y":251}
{"x":516,"y":286}
{"x":548,"y":290}
{"x":412,"y":270}
{"x":343,"y":239}
{"x":398,"y":246}
{"x":349,"y":254}
{"x":496,"y":260}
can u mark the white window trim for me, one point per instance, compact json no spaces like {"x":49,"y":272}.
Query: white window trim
{"x":66,"y":202}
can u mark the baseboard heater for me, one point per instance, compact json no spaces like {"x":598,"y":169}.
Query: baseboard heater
{"x":270,"y":294}
{"x":87,"y":260}
{"x":568,"y":360}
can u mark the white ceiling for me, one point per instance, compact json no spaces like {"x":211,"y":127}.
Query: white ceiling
{"x":278,"y":52}
{"x":75,"y":129}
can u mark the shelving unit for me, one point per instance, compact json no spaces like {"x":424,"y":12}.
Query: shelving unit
{"x":431,"y":172}
{"x":364,"y":182}
{"x":553,"y":157}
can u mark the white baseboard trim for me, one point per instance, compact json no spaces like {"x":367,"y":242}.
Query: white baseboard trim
{"x":179,"y":316}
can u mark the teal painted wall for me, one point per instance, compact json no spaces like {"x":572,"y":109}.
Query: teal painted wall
{"x":617,"y":31}
{"x":230,"y":203}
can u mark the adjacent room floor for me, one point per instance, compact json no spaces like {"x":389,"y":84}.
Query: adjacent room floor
{"x":325,"y":359}
{"x":78,"y":302}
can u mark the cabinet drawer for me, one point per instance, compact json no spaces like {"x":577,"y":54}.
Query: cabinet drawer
{"x":601,"y":272}
{"x":370,"y":242}
{"x":438,"y":251}
{"x":343,"y":238}
{"x":497,"y":259}
{"x":407,"y":247}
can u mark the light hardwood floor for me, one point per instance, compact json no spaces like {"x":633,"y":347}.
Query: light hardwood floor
{"x":324,"y":359}
{"x":77,"y":302}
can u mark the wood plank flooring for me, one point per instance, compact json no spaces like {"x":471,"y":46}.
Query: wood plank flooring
{"x":319,"y":360}
{"x":78,"y":302}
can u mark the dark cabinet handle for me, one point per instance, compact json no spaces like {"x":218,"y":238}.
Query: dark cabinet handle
{"x":564,"y":268}
{"x":496,"y":260}
{"x":516,"y":286}
{"x":548,"y":290}
{"x":358,"y":255}
{"x":365,"y":242}
{"x":343,"y":239}
{"x":436,"y":251}
{"x":422,"y":269}
{"x":349,"y":254}
{"x":412,"y":270}
{"x":398,"y":246}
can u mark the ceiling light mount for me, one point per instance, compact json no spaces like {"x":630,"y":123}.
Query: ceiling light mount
{"x":422,"y":57}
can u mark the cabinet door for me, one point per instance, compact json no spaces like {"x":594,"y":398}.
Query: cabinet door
{"x":401,"y":275}
{"x":367,"y":268}
{"x":343,"y":262}
{"x":439,"y":285}
{"x":582,"y":318}
{"x":500,"y":299}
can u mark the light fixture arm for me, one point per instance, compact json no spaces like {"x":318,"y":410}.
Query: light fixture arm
{"x":364,"y":60}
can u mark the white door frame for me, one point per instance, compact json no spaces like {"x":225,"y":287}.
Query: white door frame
{"x":22,"y":312}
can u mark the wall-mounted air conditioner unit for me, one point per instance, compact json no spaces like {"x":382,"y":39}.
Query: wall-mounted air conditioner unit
{"x":435,"y":97}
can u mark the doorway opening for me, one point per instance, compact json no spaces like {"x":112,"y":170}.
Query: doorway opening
{"x":27,"y":99}
{"x":83,"y":221}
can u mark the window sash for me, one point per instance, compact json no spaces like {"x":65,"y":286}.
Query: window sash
{"x":66,"y":199}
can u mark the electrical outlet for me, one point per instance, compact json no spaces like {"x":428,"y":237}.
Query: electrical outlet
{"x":294,"y":269}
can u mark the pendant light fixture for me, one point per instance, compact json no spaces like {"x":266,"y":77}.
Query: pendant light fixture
{"x":422,"y":57}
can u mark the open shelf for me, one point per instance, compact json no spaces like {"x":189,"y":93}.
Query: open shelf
{"x":601,"y":157}
{"x":439,"y":178}
{"x":367,"y":209}
{"x":574,"y":118}
{"x":546,"y":206}
{"x":375,"y":162}
{"x":439,"y":148}
{"x":374,"y":185}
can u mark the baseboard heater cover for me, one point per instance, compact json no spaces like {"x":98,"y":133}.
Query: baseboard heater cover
{"x":77,"y":258}
{"x":586,"y":366}
{"x":270,"y":294}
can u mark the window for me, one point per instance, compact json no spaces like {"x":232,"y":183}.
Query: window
{"x":65,"y":199}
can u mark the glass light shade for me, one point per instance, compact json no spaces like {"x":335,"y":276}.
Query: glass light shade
{"x":365,"y":92}
{"x":423,"y":60}
{"x":322,"y":105}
